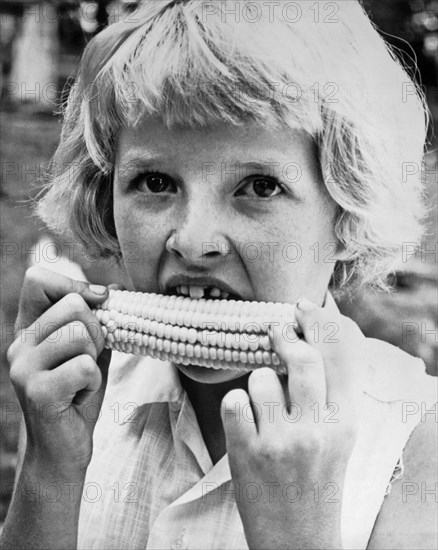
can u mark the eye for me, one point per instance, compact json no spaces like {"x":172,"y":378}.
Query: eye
{"x":154,"y":183}
{"x":261,"y":187}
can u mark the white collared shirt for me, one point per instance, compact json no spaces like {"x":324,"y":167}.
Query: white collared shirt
{"x":151,"y":482}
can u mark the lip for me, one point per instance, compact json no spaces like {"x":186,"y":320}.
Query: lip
{"x":178,"y":280}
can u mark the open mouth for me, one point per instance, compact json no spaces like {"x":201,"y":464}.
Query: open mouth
{"x":206,"y":292}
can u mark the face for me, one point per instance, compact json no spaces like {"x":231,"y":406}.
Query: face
{"x":242,"y":208}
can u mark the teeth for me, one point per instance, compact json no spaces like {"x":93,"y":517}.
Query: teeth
{"x":196,"y":292}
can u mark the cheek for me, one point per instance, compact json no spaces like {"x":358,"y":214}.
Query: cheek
{"x":142,"y":239}
{"x":135,"y":223}
{"x":122,"y":219}
{"x":308,"y":225}
{"x":298,"y":255}
{"x":314,"y":238}
{"x":315,"y":222}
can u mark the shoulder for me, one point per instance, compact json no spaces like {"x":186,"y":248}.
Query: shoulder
{"x":393,"y":375}
{"x":382,"y":351}
{"x":408,"y":516}
{"x":395,"y":386}
{"x":399,"y":387}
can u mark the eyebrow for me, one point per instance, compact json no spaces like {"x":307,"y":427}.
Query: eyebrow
{"x":143,"y":156}
{"x":269,"y":164}
{"x":132,"y":162}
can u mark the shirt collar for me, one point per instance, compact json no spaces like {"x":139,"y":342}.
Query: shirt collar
{"x":143,"y":380}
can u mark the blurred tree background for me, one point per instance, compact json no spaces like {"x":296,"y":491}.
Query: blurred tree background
{"x":41,"y":43}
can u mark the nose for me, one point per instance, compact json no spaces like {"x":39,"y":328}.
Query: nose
{"x":198,"y":237}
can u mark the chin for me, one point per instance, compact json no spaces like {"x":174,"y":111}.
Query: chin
{"x":206,"y":375}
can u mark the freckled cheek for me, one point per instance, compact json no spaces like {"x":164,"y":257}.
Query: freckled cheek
{"x":142,"y":239}
{"x":287,"y":261}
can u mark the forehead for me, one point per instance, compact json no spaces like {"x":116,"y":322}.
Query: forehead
{"x":151,"y":140}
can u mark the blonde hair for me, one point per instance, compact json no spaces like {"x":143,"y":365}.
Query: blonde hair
{"x":193,"y":63}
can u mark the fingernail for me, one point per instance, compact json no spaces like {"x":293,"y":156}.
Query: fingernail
{"x":98,"y":289}
{"x":305,"y":305}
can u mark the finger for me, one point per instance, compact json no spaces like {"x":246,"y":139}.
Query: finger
{"x":80,"y":380}
{"x":266,"y":398}
{"x":66,"y":343}
{"x":237,"y":418}
{"x":339,"y":341}
{"x":69,"y":309}
{"x":42,"y":288}
{"x":94,"y":394}
{"x":62,"y":384}
{"x":305,"y":367}
{"x":324,"y":330}
{"x":321,"y":327}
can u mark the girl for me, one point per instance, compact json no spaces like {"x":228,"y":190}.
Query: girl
{"x":196,"y":133}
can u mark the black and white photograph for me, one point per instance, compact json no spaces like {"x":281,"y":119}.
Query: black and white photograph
{"x":219,"y":275}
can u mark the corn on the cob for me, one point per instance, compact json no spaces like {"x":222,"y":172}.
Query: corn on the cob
{"x":210,"y":333}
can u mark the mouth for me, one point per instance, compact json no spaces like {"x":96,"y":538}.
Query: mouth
{"x":198,"y":289}
{"x":206,"y":292}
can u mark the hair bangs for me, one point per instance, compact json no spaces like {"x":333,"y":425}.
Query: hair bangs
{"x":191,"y":74}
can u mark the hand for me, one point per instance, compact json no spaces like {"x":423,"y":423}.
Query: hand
{"x":288,"y":465}
{"x":58,"y":369}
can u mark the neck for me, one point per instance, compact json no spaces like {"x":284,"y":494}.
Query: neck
{"x":209,"y":396}
{"x":206,"y":401}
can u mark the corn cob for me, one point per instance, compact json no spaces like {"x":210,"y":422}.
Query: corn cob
{"x":220,"y":334}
